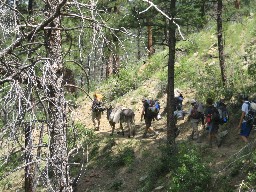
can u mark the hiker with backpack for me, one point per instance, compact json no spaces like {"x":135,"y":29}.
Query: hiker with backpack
{"x":212,"y":119}
{"x":247,"y":118}
{"x":97,"y":110}
{"x":149,"y":111}
{"x":223,"y":111}
{"x":195,"y":116}
{"x":178,"y":102}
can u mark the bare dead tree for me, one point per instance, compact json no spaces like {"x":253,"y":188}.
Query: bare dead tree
{"x":34,"y":53}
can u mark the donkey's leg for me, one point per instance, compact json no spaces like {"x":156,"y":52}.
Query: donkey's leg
{"x":133,"y":126}
{"x":133,"y":129}
{"x":129,"y":128}
{"x":121,"y":126}
{"x":113,"y":127}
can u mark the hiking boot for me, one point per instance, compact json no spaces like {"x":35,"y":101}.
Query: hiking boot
{"x":96,"y":128}
{"x":144,"y":135}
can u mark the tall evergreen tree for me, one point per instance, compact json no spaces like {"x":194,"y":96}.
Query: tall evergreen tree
{"x":220,"y":42}
{"x":171,"y":127}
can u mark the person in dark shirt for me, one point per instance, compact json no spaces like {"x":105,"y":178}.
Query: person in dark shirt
{"x":211,"y":120}
{"x":96,"y":113}
{"x":148,"y":118}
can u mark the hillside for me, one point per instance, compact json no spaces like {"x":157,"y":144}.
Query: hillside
{"x":137,"y":164}
{"x":56,"y":54}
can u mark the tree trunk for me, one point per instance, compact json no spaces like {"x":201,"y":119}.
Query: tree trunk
{"x":138,"y":43}
{"x":30,"y":7}
{"x":29,"y":169}
{"x":220,"y":42}
{"x":57,"y":112}
{"x":108,"y":65}
{"x":171,"y":127}
{"x":237,"y":4}
{"x":150,"y":40}
{"x":116,"y":63}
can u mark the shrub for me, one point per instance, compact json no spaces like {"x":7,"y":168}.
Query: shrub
{"x":126,"y":157}
{"x":186,"y":169}
{"x":189,"y":172}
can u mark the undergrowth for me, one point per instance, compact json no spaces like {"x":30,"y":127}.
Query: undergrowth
{"x":185,"y":171}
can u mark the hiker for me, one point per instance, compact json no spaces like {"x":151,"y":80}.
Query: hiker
{"x":178,"y":102}
{"x":212,"y":121}
{"x":195,"y":116}
{"x":97,"y":110}
{"x":148,"y":116}
{"x":244,"y":125}
{"x":222,"y":108}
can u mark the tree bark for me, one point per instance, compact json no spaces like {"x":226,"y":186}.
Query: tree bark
{"x":29,"y":169}
{"x":138,"y":43}
{"x":237,"y":4}
{"x":150,"y":40}
{"x":220,"y":42}
{"x":171,"y":126}
{"x":30,"y":7}
{"x":57,"y":111}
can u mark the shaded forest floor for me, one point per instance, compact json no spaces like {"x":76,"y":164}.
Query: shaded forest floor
{"x":105,"y":177}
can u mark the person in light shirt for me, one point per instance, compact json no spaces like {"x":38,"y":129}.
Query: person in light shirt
{"x":244,"y":126}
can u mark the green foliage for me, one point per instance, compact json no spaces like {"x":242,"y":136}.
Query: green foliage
{"x":156,"y":65}
{"x":131,"y":77}
{"x":187,"y":171}
{"x":128,"y":156}
{"x":187,"y":47}
{"x":125,"y":157}
{"x":190,"y":172}
{"x":116,"y":186}
{"x":121,"y":84}
{"x":79,"y":134}
{"x":224,"y":185}
{"x":14,"y":160}
{"x":250,"y":183}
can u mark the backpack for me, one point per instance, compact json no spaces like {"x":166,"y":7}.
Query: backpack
{"x":195,"y":114}
{"x":213,"y":115}
{"x":223,"y":112}
{"x":97,"y":106}
{"x":249,"y":117}
{"x":178,"y":103}
{"x":153,"y":108}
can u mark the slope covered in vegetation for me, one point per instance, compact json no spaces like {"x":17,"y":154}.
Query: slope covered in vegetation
{"x":137,"y":164}
{"x":121,"y":164}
